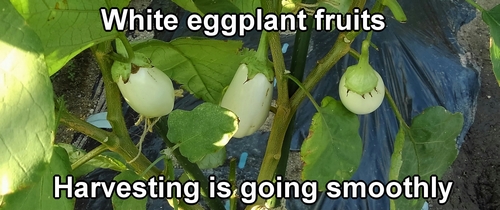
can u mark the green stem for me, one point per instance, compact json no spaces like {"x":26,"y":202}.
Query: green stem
{"x":394,"y":107}
{"x":191,"y":169}
{"x":104,"y":137}
{"x":365,"y":49}
{"x":233,"y":200}
{"x":287,"y":106}
{"x":311,"y":98}
{"x":282,"y":118}
{"x":152,"y":165}
{"x":298,"y":64}
{"x":169,"y":169}
{"x":395,"y":8}
{"x":477,"y":6}
{"x":118,"y":57}
{"x":128,"y":47}
{"x":340,"y":48}
{"x":95,"y":152}
{"x":396,"y":157}
{"x":262,"y":50}
{"x":355,"y":54}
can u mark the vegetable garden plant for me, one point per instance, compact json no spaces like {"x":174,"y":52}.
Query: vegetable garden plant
{"x":37,"y":38}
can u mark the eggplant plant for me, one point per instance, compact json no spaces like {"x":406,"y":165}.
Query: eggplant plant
{"x":37,"y":38}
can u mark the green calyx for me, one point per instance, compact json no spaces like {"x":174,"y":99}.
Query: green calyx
{"x":258,"y":61}
{"x":361,"y":78}
{"x":256,"y":65}
{"x":123,"y":70}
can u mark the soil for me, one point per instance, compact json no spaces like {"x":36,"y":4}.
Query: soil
{"x":475,"y":173}
{"x":75,"y":84}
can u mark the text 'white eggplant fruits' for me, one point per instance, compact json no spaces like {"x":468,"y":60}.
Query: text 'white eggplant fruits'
{"x":149,"y":92}
{"x":250,"y":100}
{"x":356,"y":103}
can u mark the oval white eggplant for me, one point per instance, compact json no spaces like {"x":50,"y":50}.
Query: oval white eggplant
{"x":250,"y":100}
{"x":149,"y":92}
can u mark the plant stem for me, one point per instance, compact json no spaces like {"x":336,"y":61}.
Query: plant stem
{"x":396,"y":157}
{"x":394,"y":107}
{"x":311,"y":98}
{"x":340,"y":48}
{"x":95,"y":152}
{"x":118,"y":57}
{"x":281,"y":119}
{"x":283,"y":116}
{"x":287,"y":106}
{"x":354,"y":54}
{"x":128,"y":47}
{"x":262,"y":50}
{"x":300,"y":51}
{"x":102,"y":136}
{"x":191,"y":169}
{"x":474,"y":4}
{"x":152,"y":165}
{"x":233,"y":200}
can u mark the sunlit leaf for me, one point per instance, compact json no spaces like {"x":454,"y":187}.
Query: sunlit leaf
{"x":40,"y":195}
{"x":213,"y":160}
{"x":203,"y":66}
{"x":66,"y":27}
{"x":204,"y":130}
{"x":131,"y":202}
{"x":27,"y":124}
{"x":332,"y":151}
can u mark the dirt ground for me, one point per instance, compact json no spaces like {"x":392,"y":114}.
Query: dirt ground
{"x":475,"y":173}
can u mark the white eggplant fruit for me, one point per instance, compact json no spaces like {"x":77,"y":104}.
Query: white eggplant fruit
{"x":149,"y":92}
{"x":250,"y":100}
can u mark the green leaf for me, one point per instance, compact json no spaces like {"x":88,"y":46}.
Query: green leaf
{"x":213,"y":160}
{"x":427,"y":147}
{"x":331,"y":6}
{"x":247,"y":6}
{"x":188,"y":5}
{"x":130,"y":202}
{"x":108,"y":160}
{"x":203,"y":66}
{"x":336,"y":6}
{"x":66,"y":27}
{"x":204,"y":130}
{"x":332,"y":151}
{"x":203,"y":7}
{"x":28,"y":123}
{"x":216,"y":6}
{"x":492,"y":18}
{"x":40,"y":195}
